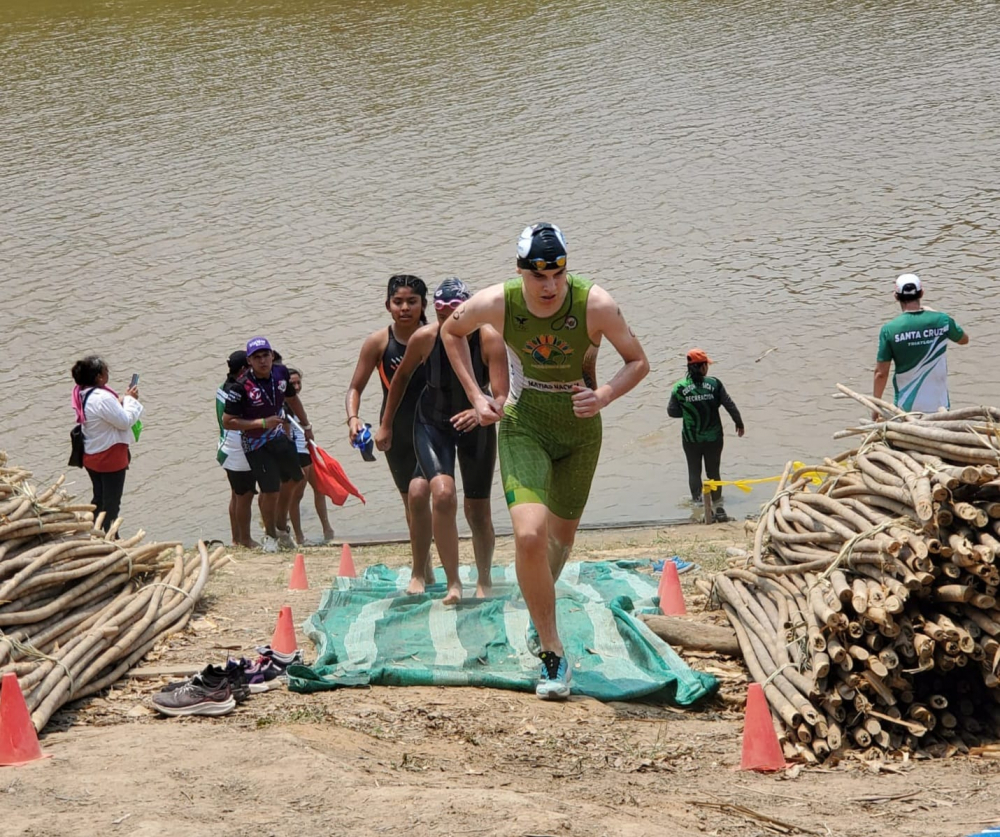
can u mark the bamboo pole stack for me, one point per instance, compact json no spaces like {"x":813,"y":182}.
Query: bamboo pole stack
{"x":868,"y":608}
{"x":78,"y":608}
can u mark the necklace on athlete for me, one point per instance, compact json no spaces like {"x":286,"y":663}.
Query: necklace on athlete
{"x":263,"y":391}
{"x":562,"y":320}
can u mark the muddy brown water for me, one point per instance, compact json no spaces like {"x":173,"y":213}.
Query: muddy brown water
{"x":745,"y":177}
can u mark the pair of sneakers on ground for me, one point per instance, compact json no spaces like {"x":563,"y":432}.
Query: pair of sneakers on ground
{"x":216,"y":690}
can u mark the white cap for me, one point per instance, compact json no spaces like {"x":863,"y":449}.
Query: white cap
{"x":908,"y":283}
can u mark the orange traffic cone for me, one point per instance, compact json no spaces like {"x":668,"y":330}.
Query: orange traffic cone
{"x":671,"y":597}
{"x":283,"y":641}
{"x":761,"y":748}
{"x":298,"y":580}
{"x":18,"y":739}
{"x":347,"y":563}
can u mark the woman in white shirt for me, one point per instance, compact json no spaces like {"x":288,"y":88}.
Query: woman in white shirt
{"x":107,"y":420}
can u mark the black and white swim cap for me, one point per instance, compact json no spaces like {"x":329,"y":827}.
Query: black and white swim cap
{"x":450,"y":289}
{"x":541,"y":247}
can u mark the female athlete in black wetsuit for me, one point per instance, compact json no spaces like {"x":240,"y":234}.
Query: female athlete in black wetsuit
{"x":447,"y":429}
{"x":406,"y":301}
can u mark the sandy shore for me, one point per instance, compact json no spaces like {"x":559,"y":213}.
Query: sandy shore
{"x":450,"y":761}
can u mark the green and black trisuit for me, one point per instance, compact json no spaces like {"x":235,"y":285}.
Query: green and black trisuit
{"x":697,"y":400}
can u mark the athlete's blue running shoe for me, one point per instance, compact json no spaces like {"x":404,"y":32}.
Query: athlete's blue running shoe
{"x":554,"y":681}
{"x":532,"y":641}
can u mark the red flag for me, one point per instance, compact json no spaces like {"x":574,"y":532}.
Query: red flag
{"x":330,"y":477}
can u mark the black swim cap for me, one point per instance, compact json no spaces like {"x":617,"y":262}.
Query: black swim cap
{"x":541,"y":247}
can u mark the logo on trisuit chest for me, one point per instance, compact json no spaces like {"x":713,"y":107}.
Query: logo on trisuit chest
{"x":549,"y":351}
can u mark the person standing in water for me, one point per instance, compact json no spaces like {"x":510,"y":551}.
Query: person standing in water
{"x":550,"y":426}
{"x":406,"y":302}
{"x":447,"y":428}
{"x":696,"y":398}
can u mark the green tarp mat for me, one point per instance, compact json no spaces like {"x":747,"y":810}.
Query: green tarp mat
{"x":368,"y":631}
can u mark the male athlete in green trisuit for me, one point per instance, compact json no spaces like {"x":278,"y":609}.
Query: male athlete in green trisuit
{"x":550,"y":427}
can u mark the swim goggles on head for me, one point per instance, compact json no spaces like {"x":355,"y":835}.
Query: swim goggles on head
{"x":557,"y":263}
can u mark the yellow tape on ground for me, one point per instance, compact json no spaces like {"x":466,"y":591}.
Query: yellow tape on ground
{"x":815,"y":477}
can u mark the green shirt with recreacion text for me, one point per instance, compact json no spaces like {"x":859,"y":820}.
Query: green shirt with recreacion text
{"x":915,"y":342}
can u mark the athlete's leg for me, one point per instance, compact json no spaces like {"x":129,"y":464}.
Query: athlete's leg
{"x":533,"y":574}
{"x":445,"y":505}
{"x":234,"y":524}
{"x":562,"y":534}
{"x":322,"y":508}
{"x":298,"y":491}
{"x":477,"y":453}
{"x":244,"y":512}
{"x":417,"y":502}
{"x":692,"y":452}
{"x":479,"y":515}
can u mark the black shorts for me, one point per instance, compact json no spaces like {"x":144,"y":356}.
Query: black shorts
{"x":274,"y":463}
{"x":437,"y":447}
{"x":305,"y":460}
{"x":242,"y":482}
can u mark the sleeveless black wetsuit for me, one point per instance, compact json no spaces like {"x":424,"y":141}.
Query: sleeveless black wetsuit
{"x":437,"y":442}
{"x":401,"y":456}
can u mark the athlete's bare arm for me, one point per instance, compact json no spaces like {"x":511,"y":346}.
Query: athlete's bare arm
{"x":371,"y":351}
{"x":605,"y":319}
{"x":418,"y":348}
{"x":485,"y":308}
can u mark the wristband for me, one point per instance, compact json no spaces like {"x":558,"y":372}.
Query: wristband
{"x":263,"y":423}
{"x":306,"y":426}
{"x":349,"y":418}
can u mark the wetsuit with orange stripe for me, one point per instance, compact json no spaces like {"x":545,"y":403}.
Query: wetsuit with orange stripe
{"x":401,"y":456}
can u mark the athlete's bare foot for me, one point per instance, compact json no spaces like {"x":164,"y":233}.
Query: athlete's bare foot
{"x":454,"y":595}
{"x":484,"y":590}
{"x":415,"y":587}
{"x":250,"y":544}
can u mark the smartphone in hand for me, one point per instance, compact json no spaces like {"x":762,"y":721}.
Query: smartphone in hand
{"x":135,"y":381}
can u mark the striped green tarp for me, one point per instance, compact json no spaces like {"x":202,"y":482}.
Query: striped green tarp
{"x":368,"y":631}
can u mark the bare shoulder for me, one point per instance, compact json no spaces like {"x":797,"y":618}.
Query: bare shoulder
{"x":602,"y":310}
{"x":376,"y":342}
{"x":423,"y":338}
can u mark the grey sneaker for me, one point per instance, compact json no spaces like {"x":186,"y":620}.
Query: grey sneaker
{"x":269,"y":544}
{"x":205,"y":694}
{"x":286,"y":543}
{"x":556,"y":674}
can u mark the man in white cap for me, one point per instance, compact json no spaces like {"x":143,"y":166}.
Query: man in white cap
{"x":916,"y":342}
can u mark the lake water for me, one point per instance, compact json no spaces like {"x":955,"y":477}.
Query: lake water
{"x":740,"y":176}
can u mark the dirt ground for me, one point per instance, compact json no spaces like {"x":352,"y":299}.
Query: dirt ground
{"x":450,"y":761}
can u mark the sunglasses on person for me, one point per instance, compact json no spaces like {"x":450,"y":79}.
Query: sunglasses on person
{"x":451,"y":304}
{"x":557,"y":263}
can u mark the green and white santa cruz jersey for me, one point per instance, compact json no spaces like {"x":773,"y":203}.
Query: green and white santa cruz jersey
{"x":548,"y":454}
{"x":915,"y":342}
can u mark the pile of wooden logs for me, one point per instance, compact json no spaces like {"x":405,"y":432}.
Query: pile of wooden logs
{"x":77,"y":607}
{"x":868,"y":606}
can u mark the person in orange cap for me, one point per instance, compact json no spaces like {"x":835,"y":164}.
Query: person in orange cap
{"x":696,"y":399}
